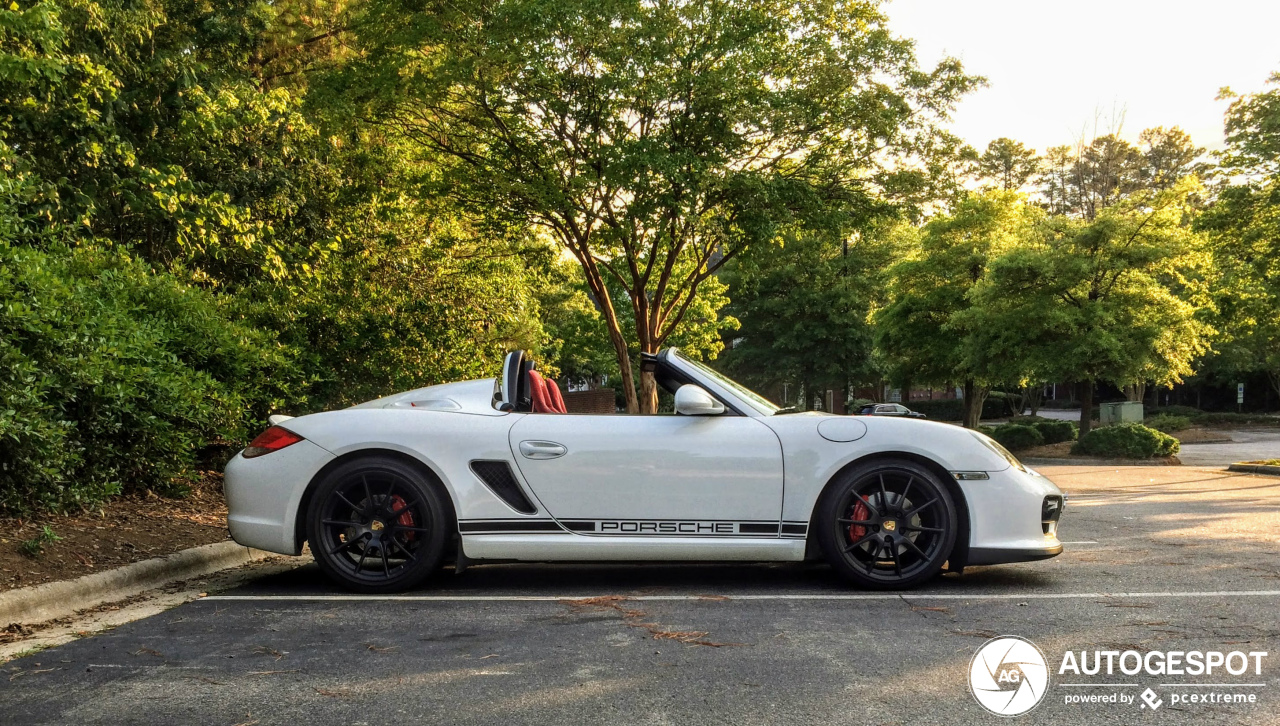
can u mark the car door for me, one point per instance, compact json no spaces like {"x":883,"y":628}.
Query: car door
{"x":659,"y":474}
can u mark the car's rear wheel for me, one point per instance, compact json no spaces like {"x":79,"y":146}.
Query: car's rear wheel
{"x":377,"y":524}
{"x":887,"y":524}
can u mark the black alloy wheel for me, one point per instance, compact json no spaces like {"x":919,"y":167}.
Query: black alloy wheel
{"x":377,"y":525}
{"x":887,"y":524}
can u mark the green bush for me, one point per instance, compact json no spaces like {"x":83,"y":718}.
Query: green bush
{"x":1228,"y":417}
{"x":1014,"y":436}
{"x":113,"y":377}
{"x":1175,"y":410}
{"x":1055,"y":431}
{"x":941,"y":409}
{"x":1126,"y":441}
{"x":1168,"y":423}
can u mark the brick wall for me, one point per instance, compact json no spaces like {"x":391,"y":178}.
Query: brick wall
{"x":599,"y":400}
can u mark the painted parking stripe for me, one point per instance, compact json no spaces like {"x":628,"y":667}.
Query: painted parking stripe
{"x":784,"y":596}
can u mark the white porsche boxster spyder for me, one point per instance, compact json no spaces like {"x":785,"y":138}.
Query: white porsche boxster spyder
{"x":495,"y":470}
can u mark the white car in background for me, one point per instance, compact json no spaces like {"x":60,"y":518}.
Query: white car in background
{"x":495,"y":470}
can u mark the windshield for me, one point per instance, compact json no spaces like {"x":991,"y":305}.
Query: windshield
{"x":760,"y":403}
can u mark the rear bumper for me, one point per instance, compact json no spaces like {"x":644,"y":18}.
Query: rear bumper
{"x":264,"y":493}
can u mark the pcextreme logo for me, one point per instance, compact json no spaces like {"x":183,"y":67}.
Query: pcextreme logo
{"x":1008,"y":675}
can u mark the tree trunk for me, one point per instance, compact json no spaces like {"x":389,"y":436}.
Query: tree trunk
{"x":1031,"y":397}
{"x":601,"y":293}
{"x":974,"y":397}
{"x":1086,"y":407}
{"x":648,"y":392}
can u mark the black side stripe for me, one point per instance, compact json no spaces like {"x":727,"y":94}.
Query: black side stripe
{"x":510,"y":526}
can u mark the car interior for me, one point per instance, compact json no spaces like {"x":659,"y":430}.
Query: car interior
{"x":523,"y":389}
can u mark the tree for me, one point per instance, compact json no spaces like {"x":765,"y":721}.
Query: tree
{"x":1112,"y":300}
{"x":922,"y":334}
{"x":1008,"y":164}
{"x":1244,"y":225}
{"x":1084,"y":179}
{"x":805,"y":306}
{"x":654,"y":141}
{"x":1168,"y":155}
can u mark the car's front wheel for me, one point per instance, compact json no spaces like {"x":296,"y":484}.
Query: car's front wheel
{"x":377,"y":524}
{"x":887,"y":524}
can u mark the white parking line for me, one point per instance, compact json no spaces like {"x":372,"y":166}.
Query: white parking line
{"x":780,"y":596}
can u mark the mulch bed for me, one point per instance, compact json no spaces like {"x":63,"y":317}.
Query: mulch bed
{"x":124,"y":530}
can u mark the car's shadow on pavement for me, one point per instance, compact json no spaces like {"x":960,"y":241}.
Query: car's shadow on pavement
{"x":594,"y":579}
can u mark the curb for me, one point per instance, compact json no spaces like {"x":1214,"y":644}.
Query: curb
{"x":1255,"y":469}
{"x":51,"y":600}
{"x":1086,"y":461}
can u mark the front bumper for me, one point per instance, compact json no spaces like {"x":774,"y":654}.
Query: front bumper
{"x":1007,"y":518}
{"x":264,"y":493}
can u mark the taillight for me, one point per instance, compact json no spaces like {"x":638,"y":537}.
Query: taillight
{"x":273,"y":439}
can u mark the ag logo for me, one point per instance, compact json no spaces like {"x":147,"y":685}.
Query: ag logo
{"x":1008,"y":676}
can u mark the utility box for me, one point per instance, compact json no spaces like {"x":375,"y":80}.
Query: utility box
{"x":1121,"y":412}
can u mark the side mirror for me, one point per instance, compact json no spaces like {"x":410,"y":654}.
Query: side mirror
{"x":691,"y":400}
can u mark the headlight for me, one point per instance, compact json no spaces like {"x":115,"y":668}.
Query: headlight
{"x":999,"y":450}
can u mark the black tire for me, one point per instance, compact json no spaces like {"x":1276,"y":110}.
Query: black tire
{"x":377,"y":525}
{"x":888,"y":524}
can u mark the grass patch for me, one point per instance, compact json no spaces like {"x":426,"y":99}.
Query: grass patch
{"x":34,"y":546}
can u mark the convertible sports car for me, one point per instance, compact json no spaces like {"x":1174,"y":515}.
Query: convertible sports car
{"x":388,"y":491}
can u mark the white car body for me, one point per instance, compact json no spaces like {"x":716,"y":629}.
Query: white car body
{"x":741,"y":485}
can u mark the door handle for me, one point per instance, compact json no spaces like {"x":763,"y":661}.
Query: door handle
{"x":542,"y":450}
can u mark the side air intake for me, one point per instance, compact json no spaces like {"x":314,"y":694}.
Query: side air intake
{"x":498,"y":477}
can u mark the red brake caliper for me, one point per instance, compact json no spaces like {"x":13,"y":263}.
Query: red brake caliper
{"x":860,"y":514}
{"x":405,"y":519}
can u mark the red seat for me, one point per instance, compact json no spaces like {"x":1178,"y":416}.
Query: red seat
{"x":553,"y":393}
{"x":545,"y":394}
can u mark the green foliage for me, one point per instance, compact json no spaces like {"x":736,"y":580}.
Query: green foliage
{"x":1126,"y":441}
{"x":115,"y":377}
{"x":1167,"y":423}
{"x":1244,"y":226}
{"x":929,"y":331}
{"x":1175,"y":410}
{"x":1007,"y":164}
{"x":34,"y":546}
{"x":1054,"y":431}
{"x":952,"y":409}
{"x":1014,"y":436}
{"x":657,"y":141}
{"x":1113,"y":300}
{"x":804,"y":306}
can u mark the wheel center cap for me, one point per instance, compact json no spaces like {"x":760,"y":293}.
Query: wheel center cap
{"x":377,"y":525}
{"x":889,"y":525}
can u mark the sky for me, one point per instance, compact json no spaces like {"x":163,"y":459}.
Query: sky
{"x":1056,"y":71}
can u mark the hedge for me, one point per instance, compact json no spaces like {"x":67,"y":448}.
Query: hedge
{"x":114,"y":377}
{"x":1167,"y":422}
{"x":1055,"y":431}
{"x":1126,"y":441}
{"x":1017,"y":436}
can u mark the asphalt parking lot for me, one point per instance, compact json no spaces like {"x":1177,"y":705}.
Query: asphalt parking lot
{"x":1157,"y":558}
